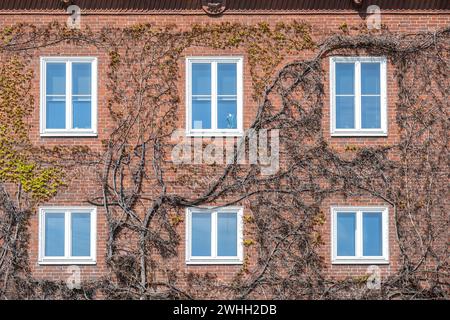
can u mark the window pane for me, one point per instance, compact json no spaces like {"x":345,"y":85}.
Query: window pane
{"x":370,"y":78}
{"x":201,"y":113}
{"x":201,"y":78}
{"x":227,"y":75}
{"x":227,"y":113}
{"x":372,"y":234}
{"x":54,"y":234}
{"x":201,"y":234}
{"x":370,"y":112}
{"x":81,"y":78}
{"x":345,"y":78}
{"x":55,"y":113}
{"x":56,"y":78}
{"x":81,"y":112}
{"x":81,"y":234}
{"x":345,"y":112}
{"x":346,"y":226}
{"x":227,"y":234}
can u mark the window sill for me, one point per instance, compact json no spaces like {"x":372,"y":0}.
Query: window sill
{"x":214,"y":261}
{"x":69,"y":134}
{"x":205,"y":134}
{"x":360,"y":261}
{"x":67,"y":262}
{"x":347,"y":133}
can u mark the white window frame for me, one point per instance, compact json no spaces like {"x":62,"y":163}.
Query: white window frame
{"x":359,"y":258}
{"x":68,"y":131}
{"x":214,"y":259}
{"x":67,"y":259}
{"x":214,"y":131}
{"x":358,"y":131}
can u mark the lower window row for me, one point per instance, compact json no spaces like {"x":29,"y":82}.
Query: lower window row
{"x":67,"y":235}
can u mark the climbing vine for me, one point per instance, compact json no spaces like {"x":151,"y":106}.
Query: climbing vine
{"x":143,"y":194}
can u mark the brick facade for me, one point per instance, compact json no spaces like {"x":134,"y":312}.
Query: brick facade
{"x":323,"y":23}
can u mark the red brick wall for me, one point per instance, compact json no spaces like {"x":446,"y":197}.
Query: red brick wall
{"x":84,"y":185}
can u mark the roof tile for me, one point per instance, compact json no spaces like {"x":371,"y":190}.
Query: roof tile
{"x":234,"y":5}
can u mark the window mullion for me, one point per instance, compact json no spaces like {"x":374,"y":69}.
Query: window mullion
{"x":67,"y":234}
{"x":69,"y":95}
{"x":359,"y":240}
{"x":214,"y":96}
{"x":358,"y":95}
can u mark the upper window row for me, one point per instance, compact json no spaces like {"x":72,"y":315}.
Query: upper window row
{"x":214,"y":96}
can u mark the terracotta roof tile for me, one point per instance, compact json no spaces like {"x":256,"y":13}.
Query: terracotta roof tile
{"x":232,"y":5}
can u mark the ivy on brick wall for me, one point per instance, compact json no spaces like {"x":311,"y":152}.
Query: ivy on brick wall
{"x":16,"y":163}
{"x":143,"y":194}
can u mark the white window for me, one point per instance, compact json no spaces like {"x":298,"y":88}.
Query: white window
{"x":68,"y":96}
{"x":214,"y":92}
{"x":358,"y":96}
{"x":67,"y":235}
{"x":360,"y":235}
{"x":214,"y":236}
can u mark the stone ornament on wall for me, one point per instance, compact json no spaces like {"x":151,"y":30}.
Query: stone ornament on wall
{"x":214,"y":7}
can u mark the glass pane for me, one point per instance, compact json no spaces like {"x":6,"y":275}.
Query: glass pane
{"x":370,"y":112}
{"x":55,"y":117}
{"x":54,"y":234}
{"x":81,"y":234}
{"x":81,"y":112}
{"x":372,"y":234}
{"x":227,"y":78}
{"x":81,"y":78}
{"x":201,"y":79}
{"x":227,"y":234}
{"x":56,"y":78}
{"x":345,"y":78}
{"x":345,"y":112}
{"x":227,"y":113}
{"x":201,"y":113}
{"x":346,"y":226}
{"x":370,"y":78}
{"x":201,"y":234}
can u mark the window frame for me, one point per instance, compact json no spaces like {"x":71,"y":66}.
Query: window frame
{"x":358,"y":131}
{"x":214,"y":131}
{"x":214,"y":259}
{"x":67,"y":259}
{"x":359,"y":258}
{"x":68,"y":132}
